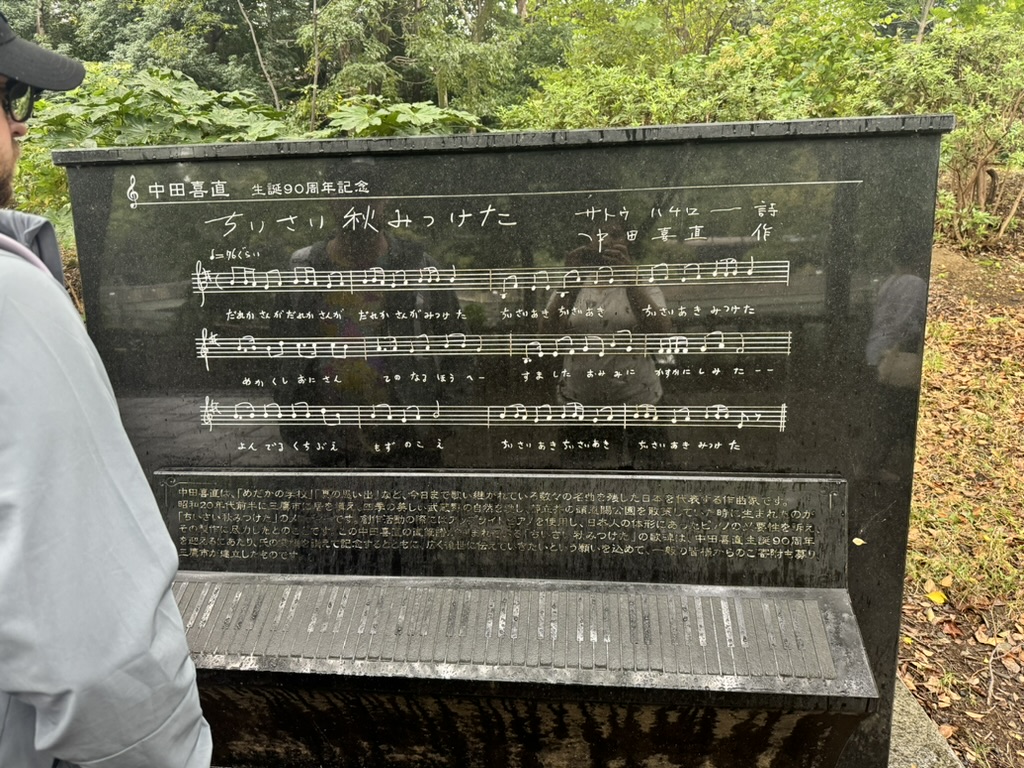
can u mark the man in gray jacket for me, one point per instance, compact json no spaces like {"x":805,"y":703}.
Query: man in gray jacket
{"x":94,"y":668}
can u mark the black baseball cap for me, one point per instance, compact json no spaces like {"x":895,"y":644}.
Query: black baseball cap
{"x":34,"y":65}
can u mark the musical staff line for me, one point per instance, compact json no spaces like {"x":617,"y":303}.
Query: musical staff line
{"x":529,"y":347}
{"x":213,"y":413}
{"x":501,"y":282}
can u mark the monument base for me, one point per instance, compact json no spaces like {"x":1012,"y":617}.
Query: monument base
{"x":276,"y":724}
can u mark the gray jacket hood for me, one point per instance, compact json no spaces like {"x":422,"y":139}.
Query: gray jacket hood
{"x":38,"y":235}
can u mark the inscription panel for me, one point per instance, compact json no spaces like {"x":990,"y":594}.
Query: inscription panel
{"x":552,"y":525}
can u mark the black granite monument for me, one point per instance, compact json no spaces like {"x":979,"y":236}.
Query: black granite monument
{"x":578,"y":448}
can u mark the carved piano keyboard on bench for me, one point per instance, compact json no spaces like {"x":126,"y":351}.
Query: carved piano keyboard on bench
{"x":716,"y":640}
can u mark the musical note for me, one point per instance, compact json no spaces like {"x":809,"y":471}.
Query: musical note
{"x":746,"y":418}
{"x":324,"y":417}
{"x":629,"y":339}
{"x":653,"y":273}
{"x":247,"y":276}
{"x":240,"y":408}
{"x":707,"y":340}
{"x":571,"y":273}
{"x":276,"y":275}
{"x":600,"y":341}
{"x":673,"y":345}
{"x":573,"y":411}
{"x":304,"y":276}
{"x":726,"y":265}
{"x":520,"y":412}
{"x":526,"y":349}
{"x":718,"y":412}
{"x":567,"y":340}
{"x":504,"y":285}
{"x":387,"y":344}
{"x":426,"y":343}
{"x":645,"y":411}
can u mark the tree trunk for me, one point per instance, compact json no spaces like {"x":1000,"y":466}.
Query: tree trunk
{"x":316,"y":70}
{"x":922,"y":23}
{"x":259,"y":56}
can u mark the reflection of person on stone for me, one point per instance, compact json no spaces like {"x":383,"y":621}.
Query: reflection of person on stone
{"x":616,"y":311}
{"x":379,"y":311}
{"x":608,"y":313}
{"x":895,"y":349}
{"x":897,"y":330}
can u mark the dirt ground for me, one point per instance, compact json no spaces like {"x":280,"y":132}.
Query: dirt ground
{"x":963,"y":660}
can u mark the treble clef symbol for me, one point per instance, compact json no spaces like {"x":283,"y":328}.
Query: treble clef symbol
{"x":132,"y":194}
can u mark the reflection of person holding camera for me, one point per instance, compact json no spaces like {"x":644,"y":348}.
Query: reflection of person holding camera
{"x":608,"y":375}
{"x":607,"y":309}
{"x":377,"y":315}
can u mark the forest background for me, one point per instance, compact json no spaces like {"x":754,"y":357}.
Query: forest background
{"x":190,"y":71}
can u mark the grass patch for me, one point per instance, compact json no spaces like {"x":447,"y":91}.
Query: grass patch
{"x":967,"y":521}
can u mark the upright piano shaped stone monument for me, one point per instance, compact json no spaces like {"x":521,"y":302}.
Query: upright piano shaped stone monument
{"x":577,"y":448}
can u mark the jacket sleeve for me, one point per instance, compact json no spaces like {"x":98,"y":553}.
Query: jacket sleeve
{"x":91,"y":636}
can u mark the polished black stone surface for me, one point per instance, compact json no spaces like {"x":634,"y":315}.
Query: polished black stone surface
{"x":622,"y":316}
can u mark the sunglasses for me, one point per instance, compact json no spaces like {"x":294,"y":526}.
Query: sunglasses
{"x":19,"y":100}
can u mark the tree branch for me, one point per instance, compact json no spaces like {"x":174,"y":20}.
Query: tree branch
{"x":259,"y":56}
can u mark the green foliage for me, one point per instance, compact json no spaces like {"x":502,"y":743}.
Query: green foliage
{"x":469,"y":57}
{"x":404,"y":67}
{"x":372,"y":116}
{"x":350,"y":44}
{"x":976,"y":72}
{"x":116,"y":108}
{"x":455,"y":52}
{"x":799,"y":65}
{"x":610,"y":33}
{"x":801,"y":60}
{"x":823,"y":55}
